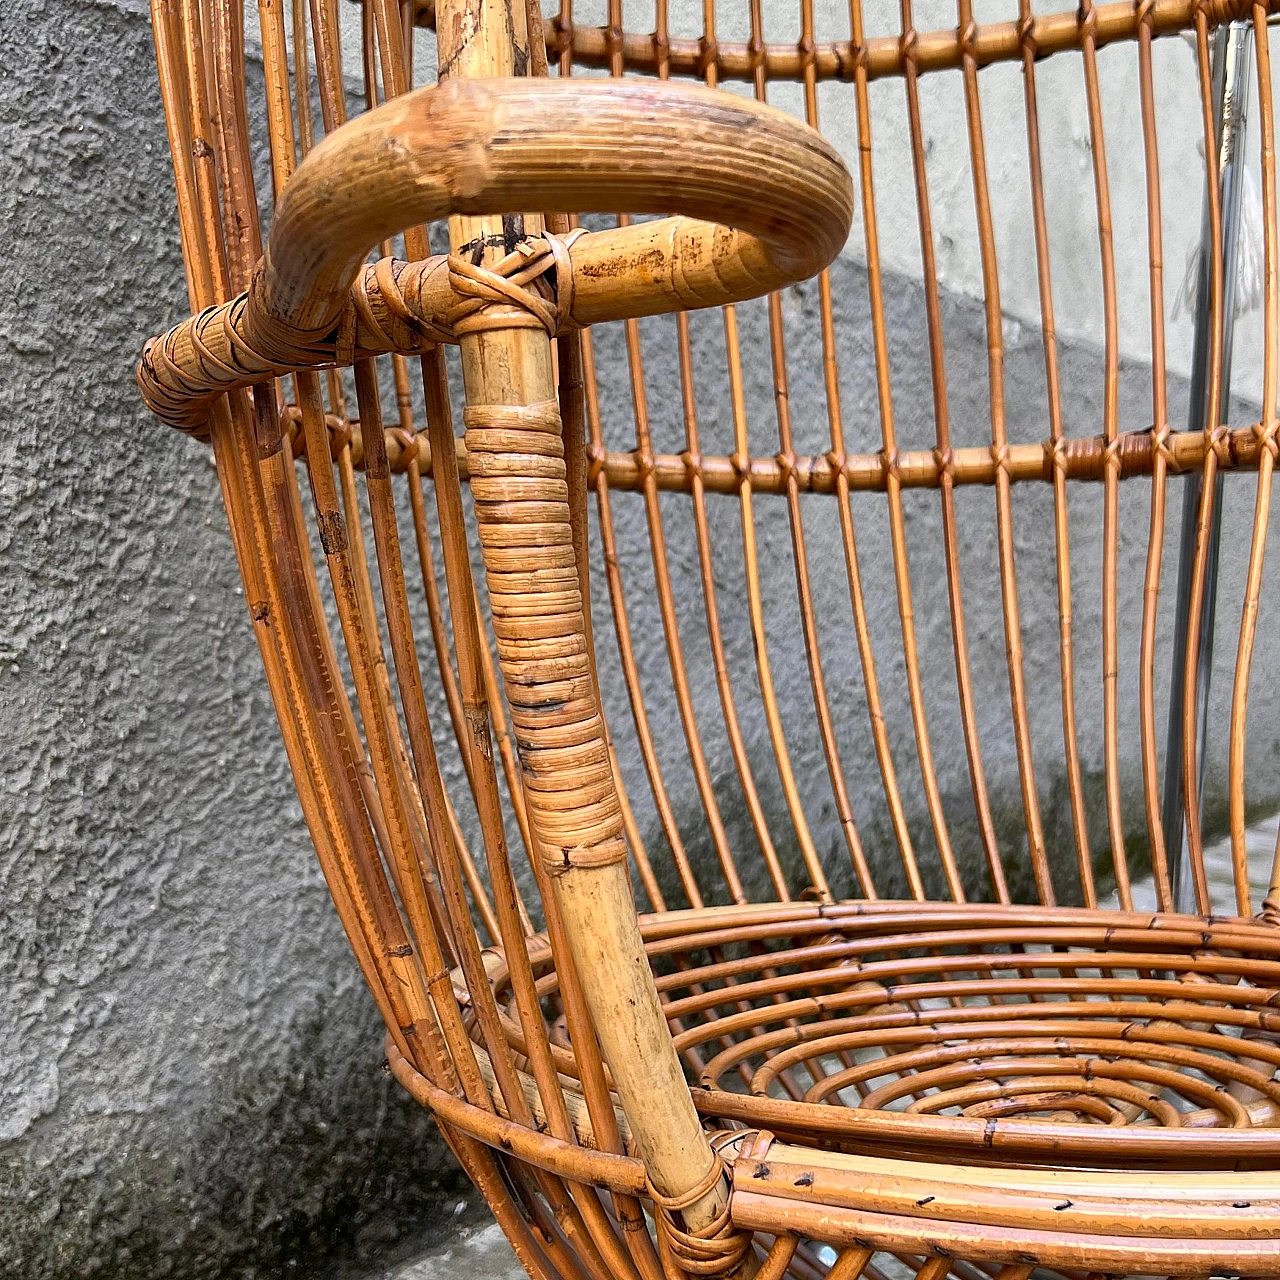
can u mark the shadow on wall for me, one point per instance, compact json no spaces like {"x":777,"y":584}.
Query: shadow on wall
{"x":1026,"y":409}
{"x":326,"y":1170}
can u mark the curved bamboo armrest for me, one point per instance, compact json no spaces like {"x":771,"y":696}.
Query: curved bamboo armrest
{"x":766,"y":202}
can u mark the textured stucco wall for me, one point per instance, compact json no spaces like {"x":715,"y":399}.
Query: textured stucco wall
{"x":189,"y":1078}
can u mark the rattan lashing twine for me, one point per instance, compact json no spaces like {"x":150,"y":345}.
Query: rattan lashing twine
{"x":237,"y":341}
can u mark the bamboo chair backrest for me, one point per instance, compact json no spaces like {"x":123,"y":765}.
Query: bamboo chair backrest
{"x":1063,"y":732}
{"x":693,"y":483}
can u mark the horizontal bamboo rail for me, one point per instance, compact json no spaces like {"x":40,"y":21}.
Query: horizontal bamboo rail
{"x":881,"y":56}
{"x":619,"y":1173}
{"x":1061,"y":1248}
{"x":1082,"y":458}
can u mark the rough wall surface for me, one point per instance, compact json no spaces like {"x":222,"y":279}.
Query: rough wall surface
{"x":189,"y":1076}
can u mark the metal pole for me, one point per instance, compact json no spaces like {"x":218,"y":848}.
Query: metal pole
{"x":1232,"y":47}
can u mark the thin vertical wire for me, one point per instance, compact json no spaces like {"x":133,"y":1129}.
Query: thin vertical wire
{"x":1111,"y":473}
{"x":1058,"y":457}
{"x":1267,"y":448}
{"x":942,"y":435}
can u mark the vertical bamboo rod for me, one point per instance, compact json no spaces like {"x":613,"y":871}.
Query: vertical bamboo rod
{"x":1111,"y":479}
{"x":1061,"y":527}
{"x":946,"y":489}
{"x":800,"y":554}
{"x":522,"y":511}
{"x":764,"y":672}
{"x":1159,"y":468}
{"x":999,"y":450}
{"x":893,"y":485}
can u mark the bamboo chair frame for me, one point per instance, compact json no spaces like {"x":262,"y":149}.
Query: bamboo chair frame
{"x":881,"y":1086}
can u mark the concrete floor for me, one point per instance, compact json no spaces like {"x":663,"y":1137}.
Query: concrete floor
{"x":1260,"y":842}
{"x":475,"y":1253}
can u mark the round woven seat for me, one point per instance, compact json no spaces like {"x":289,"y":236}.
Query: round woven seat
{"x":880,"y":656}
{"x":1138,"y":1039}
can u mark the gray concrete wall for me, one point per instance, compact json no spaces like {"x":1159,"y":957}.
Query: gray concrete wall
{"x":189,"y":1068}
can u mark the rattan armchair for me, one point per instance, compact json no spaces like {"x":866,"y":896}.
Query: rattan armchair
{"x":938,"y":1052}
